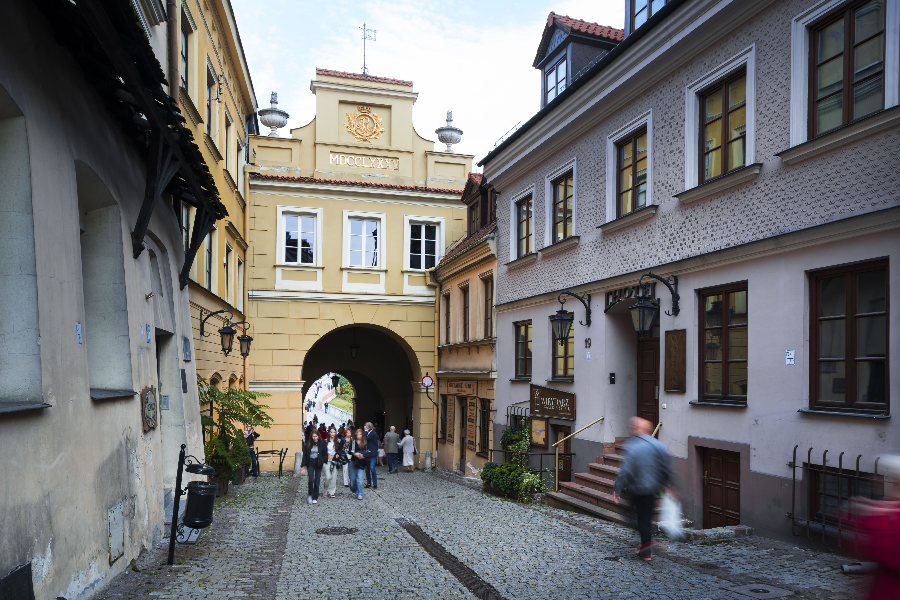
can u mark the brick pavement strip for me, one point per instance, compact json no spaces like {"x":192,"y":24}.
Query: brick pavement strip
{"x":524,"y":552}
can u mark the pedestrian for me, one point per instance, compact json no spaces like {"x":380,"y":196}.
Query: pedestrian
{"x":326,"y":408}
{"x":408,"y":446}
{"x":371,"y":440}
{"x":647,"y":469}
{"x":381,"y":454}
{"x":391,"y":438}
{"x":361,"y":452}
{"x":313,"y":459}
{"x":322,"y":431}
{"x":331,"y":469}
{"x":315,"y":420}
{"x":346,"y":441}
{"x":250,"y":436}
{"x":350,"y":424}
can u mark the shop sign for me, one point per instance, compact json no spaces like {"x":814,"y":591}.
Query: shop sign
{"x":633,"y":291}
{"x":462,"y":388}
{"x":471,"y":415}
{"x":551,"y":403}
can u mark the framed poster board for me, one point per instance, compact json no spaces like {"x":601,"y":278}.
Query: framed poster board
{"x":451,"y":418}
{"x":552,"y":403}
{"x":471,"y":416}
{"x":676,"y":361}
{"x":539,"y":432}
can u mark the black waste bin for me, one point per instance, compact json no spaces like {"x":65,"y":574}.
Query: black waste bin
{"x":201,"y":499}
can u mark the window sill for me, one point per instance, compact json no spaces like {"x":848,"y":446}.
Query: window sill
{"x":637,"y":216}
{"x":720,"y":183}
{"x":520,"y":379}
{"x":569,"y":242}
{"x":14,"y":408}
{"x":713,"y":403}
{"x":298,"y":266}
{"x":97,"y":394}
{"x":838,"y":413}
{"x":211,"y":145}
{"x":521,"y":261}
{"x":562,"y":380}
{"x":366,"y":269}
{"x":481,"y":454}
{"x":847,"y":134}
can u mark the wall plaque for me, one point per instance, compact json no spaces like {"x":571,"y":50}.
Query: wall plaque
{"x":551,"y":403}
{"x":451,"y":418}
{"x":463,"y":388}
{"x":471,"y":415}
{"x":676,"y":361}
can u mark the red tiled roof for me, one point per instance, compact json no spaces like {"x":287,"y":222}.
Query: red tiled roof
{"x":361,"y":77}
{"x":255,"y":175}
{"x":587,"y":27}
{"x":476,"y":177}
{"x":469,"y":242}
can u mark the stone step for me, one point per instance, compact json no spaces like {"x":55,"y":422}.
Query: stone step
{"x":566,"y":502}
{"x":606,"y":471}
{"x":595,"y":497}
{"x":593,"y":481}
{"x":613,"y":460}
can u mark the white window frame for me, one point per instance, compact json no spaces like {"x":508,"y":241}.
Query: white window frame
{"x":745,"y":59}
{"x":563,"y":58}
{"x":380,"y":270}
{"x":612,"y":159}
{"x":212,"y":236}
{"x":281,"y":266}
{"x":514,"y":223}
{"x":570,"y":165}
{"x":800,"y":47}
{"x":439,"y":240}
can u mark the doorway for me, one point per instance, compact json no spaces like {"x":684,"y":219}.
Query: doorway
{"x":462,"y":411}
{"x":721,"y":488}
{"x":648,"y":380}
{"x":564,"y":467}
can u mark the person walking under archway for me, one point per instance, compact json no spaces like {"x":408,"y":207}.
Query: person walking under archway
{"x":330,"y":469}
{"x":408,"y":446}
{"x":361,"y":452}
{"x":313,"y":459}
{"x":346,"y":441}
{"x":391,"y":440}
{"x":372,"y":442}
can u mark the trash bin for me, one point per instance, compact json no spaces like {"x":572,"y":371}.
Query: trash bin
{"x":201,"y":499}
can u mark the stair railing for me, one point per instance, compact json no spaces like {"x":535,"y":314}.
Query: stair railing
{"x":556,"y":445}
{"x":656,"y":431}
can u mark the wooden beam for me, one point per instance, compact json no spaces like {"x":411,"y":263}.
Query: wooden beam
{"x":202,"y":225}
{"x":160,"y":171}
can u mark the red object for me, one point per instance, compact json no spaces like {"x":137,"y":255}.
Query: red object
{"x":880,"y":543}
{"x":322,"y":431}
{"x":587,"y":27}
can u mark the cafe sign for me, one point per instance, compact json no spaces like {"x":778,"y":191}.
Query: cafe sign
{"x":551,"y":403}
{"x":462,"y":388}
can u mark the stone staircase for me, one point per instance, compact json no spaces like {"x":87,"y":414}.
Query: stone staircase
{"x":592,"y":492}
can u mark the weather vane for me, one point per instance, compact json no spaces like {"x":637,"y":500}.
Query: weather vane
{"x":367,"y":34}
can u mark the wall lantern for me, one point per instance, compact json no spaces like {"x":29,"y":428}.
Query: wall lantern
{"x":228,"y":332}
{"x":335,"y":380}
{"x":354,"y":347}
{"x":562,"y":321}
{"x":201,"y":499}
{"x":644,"y":311}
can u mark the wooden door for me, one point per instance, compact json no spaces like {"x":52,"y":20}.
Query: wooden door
{"x":648,"y":381}
{"x":463,"y":431}
{"x":565,"y":462}
{"x":721,"y":488}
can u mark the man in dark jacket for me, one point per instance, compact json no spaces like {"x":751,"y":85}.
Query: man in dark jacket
{"x":372,"y":442}
{"x":390,"y":449}
{"x":645,"y":471}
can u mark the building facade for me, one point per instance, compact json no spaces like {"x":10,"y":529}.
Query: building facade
{"x":705,"y":149}
{"x":96,"y":394}
{"x":465,"y":300}
{"x":347,"y":216}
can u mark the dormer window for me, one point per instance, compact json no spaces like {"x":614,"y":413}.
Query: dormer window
{"x":642,"y":10}
{"x":556,"y":80}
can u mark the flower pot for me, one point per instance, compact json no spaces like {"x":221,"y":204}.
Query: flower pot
{"x":223,"y":485}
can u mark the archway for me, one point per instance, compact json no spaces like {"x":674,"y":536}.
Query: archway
{"x":381,"y":373}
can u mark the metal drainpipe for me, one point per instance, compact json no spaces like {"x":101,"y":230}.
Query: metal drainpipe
{"x":172,"y":27}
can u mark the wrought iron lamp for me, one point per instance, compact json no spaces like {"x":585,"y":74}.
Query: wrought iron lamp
{"x":562,"y":321}
{"x":644,"y":311}
{"x":201,"y":499}
{"x":228,"y":332}
{"x":335,"y":380}
{"x":244,"y":340}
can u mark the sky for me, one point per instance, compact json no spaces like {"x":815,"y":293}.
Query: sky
{"x":471,"y":57}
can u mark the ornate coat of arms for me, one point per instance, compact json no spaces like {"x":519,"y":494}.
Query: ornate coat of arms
{"x":364,"y":124}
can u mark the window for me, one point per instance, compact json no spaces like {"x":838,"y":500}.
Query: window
{"x":723,"y":121}
{"x":447,"y":318}
{"x":185,"y":225}
{"x":523,"y":349}
{"x":642,"y":10}
{"x":488,"y":307}
{"x":227,"y":141}
{"x":209,"y":260}
{"x":210,"y":85}
{"x":299,"y":239}
{"x":228,"y":272}
{"x":473,"y":218}
{"x":847,"y":66}
{"x":723,"y":344}
{"x":364,"y":243}
{"x":564,"y":356}
{"x":556,"y":80}
{"x":524,"y":227}
{"x":484,"y":426}
{"x":185,"y":63}
{"x":848,"y":338}
{"x":465,"y":313}
{"x":442,"y":425}
{"x":830,"y":491}
{"x":239,"y":168}
{"x":422,"y":245}
{"x":632,"y":176}
{"x":239,"y":280}
{"x":562,"y":208}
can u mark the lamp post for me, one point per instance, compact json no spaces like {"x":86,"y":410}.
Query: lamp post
{"x":201,"y":498}
{"x":562,"y":321}
{"x":644,"y":311}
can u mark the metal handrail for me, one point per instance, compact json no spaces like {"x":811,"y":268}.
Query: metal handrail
{"x":556,"y":445}
{"x":655,"y":431}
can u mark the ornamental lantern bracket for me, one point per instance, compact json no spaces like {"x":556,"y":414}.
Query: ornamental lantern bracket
{"x":586,"y":300}
{"x":562,"y":320}
{"x":670,"y":282}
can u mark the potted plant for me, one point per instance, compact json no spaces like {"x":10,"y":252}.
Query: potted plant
{"x":226,"y":449}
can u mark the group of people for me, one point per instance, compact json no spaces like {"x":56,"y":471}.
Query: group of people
{"x":327,"y":452}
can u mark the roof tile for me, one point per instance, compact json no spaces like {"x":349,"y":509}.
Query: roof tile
{"x":255,"y":175}
{"x":468,"y":242}
{"x":587,"y":27}
{"x":332,"y":73}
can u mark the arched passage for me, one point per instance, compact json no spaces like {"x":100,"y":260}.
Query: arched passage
{"x":381,"y":373}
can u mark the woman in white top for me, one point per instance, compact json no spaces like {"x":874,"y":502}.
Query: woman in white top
{"x":330,"y":471}
{"x":408,"y":447}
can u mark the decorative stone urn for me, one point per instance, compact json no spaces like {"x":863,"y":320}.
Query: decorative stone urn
{"x":273,"y":117}
{"x":449,"y":134}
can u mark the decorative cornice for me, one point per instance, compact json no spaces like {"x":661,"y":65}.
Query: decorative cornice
{"x":522,"y":261}
{"x":630,"y":219}
{"x":211,"y":146}
{"x":355,"y":89}
{"x":229,"y":179}
{"x":718,"y":184}
{"x":845,"y":135}
{"x":340,"y":298}
{"x":238,"y":238}
{"x":193,"y":114}
{"x":276,"y":386}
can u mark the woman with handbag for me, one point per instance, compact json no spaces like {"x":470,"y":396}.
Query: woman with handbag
{"x":330,"y":470}
{"x":408,"y":447}
{"x":313,"y":459}
{"x":344,"y":443}
{"x":360,"y":453}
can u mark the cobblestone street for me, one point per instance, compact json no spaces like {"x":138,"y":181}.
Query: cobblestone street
{"x":264,"y":544}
